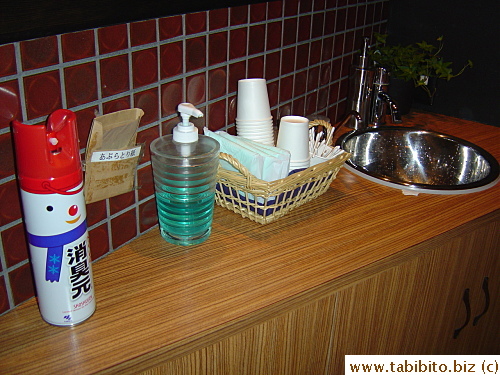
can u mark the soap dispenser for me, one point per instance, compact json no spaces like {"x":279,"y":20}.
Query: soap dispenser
{"x":51,"y":183}
{"x":185,"y":166}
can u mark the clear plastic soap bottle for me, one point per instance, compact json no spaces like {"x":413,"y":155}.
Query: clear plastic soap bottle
{"x":185,"y":170}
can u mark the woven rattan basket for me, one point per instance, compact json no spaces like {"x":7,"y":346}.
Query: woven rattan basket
{"x":265,"y":202}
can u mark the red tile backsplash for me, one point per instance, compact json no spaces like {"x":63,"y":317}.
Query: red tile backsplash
{"x":21,"y":283}
{"x":8,"y":60}
{"x":217,"y":48}
{"x":84,"y":118}
{"x":217,"y":115}
{"x":39,"y":53}
{"x":196,"y":23}
{"x":256,"y":39}
{"x":99,"y":241}
{"x":121,"y":202}
{"x":96,"y":212}
{"x":195,"y":89}
{"x":14,"y":239}
{"x":170,"y":27}
{"x":11,"y":205}
{"x":217,"y":83}
{"x":6,"y":156}
{"x":115,"y":105}
{"x":257,"y":12}
{"x":196,"y":50}
{"x":80,"y":82}
{"x":145,"y":182}
{"x":291,"y":7}
{"x":114,"y":75}
{"x":218,"y":18}
{"x":4,"y":295}
{"x":256,"y":67}
{"x":274,"y":9}
{"x":43,"y":94}
{"x":144,"y":67}
{"x":112,"y":38}
{"x":303,"y":49}
{"x":273,"y":35}
{"x":272,"y":68}
{"x":148,"y":216}
{"x":238,"y":15}
{"x":78,"y":45}
{"x":171,"y":59}
{"x":142,"y":32}
{"x":171,"y":95}
{"x":123,"y":228}
{"x":304,"y":28}
{"x":290,"y":31}
{"x":237,"y":43}
{"x":148,"y":101}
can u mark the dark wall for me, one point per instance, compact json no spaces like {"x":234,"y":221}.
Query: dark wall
{"x":29,"y":19}
{"x":471,"y":30}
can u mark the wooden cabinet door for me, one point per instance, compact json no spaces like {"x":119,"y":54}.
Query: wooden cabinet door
{"x":416,"y":307}
{"x":293,"y":343}
{"x":482,"y":333}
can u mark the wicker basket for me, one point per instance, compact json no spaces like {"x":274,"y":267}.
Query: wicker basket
{"x":265,"y":202}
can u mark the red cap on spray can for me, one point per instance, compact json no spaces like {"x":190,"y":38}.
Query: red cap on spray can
{"x":48,"y":156}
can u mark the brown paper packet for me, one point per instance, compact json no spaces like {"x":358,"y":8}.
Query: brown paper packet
{"x":112,"y":154}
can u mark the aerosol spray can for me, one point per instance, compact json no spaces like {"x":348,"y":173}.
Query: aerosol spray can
{"x":51,"y":181}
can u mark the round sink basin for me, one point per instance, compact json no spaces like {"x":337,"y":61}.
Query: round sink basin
{"x":419,"y":161}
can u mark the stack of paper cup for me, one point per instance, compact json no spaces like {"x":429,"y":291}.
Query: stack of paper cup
{"x":253,"y":113}
{"x":293,"y":135}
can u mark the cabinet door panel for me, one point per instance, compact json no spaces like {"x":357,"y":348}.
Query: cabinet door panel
{"x":484,"y":336}
{"x":293,"y":343}
{"x":416,"y":307}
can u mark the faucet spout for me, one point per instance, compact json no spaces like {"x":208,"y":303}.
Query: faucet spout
{"x":359,"y":124}
{"x":358,"y":120}
{"x":393,"y":108}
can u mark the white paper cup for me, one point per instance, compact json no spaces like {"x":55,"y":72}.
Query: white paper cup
{"x":256,"y":135}
{"x":260,"y":129}
{"x":263,"y":120}
{"x":301,"y":163}
{"x":266,"y":130}
{"x":293,"y":135}
{"x":252,"y":99}
{"x":260,"y":136}
{"x":264,"y":140}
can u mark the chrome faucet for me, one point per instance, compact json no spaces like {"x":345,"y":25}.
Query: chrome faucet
{"x":359,"y":123}
{"x":368,"y":95}
{"x":381,"y":100}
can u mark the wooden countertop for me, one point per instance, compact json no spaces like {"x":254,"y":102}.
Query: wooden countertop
{"x":156,"y":301}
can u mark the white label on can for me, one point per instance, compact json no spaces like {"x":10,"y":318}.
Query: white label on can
{"x":60,"y":256}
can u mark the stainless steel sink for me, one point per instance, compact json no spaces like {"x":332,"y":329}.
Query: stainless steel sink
{"x":419,"y":161}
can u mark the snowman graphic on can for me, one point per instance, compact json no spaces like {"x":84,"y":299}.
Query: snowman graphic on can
{"x":51,"y":181}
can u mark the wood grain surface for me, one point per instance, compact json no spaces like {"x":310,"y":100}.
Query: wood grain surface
{"x":157,"y":301}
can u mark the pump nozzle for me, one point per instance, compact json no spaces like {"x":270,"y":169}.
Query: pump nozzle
{"x":185,"y":131}
{"x":187,"y":110}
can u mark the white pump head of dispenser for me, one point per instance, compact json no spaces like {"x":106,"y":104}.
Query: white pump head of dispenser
{"x":185,"y":131}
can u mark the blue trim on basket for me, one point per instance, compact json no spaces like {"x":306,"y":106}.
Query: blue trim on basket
{"x":261,"y":207}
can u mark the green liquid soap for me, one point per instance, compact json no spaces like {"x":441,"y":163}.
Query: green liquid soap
{"x":185,"y":219}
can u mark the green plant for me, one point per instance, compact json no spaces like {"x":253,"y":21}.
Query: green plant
{"x":414,"y":62}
